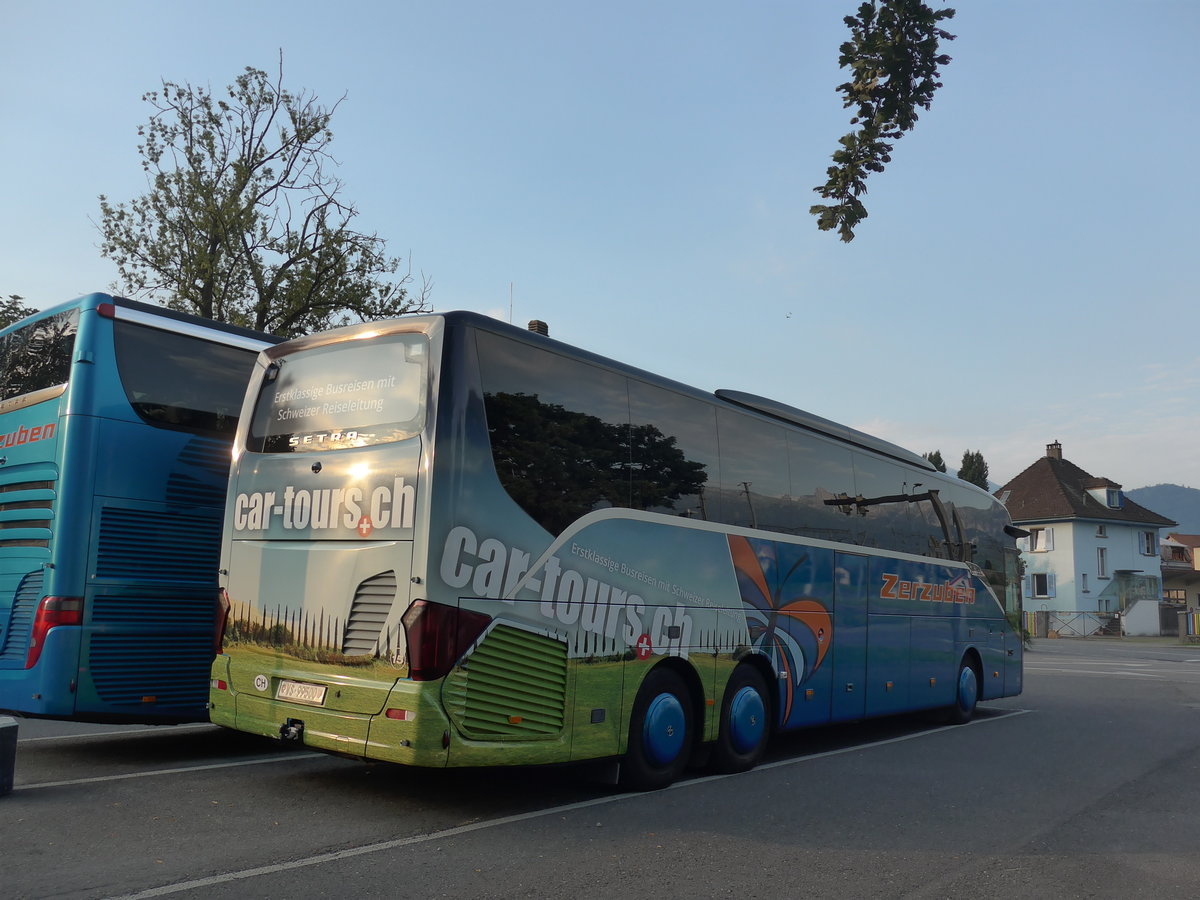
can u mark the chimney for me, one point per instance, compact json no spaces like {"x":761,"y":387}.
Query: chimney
{"x":537,"y":326}
{"x":1054,"y":451}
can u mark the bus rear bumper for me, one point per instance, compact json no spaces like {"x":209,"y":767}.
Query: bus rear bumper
{"x":49,"y":689}
{"x":411,"y":729}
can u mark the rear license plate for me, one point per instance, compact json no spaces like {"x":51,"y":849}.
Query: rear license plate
{"x":300,"y":692}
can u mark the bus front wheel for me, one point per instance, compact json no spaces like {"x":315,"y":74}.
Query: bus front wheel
{"x":660,"y":733}
{"x":966,"y":693}
{"x":745,"y":722}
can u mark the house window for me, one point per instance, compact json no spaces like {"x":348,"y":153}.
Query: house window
{"x":1042,"y":584}
{"x":1149,"y":543}
{"x":1101,"y":562}
{"x":1041,"y":540}
{"x":1175,"y":596}
{"x":1083,"y":582}
{"x":1116,"y":499}
{"x":1101,"y":531}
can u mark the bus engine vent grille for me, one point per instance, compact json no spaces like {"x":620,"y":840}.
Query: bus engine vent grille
{"x":146,"y":545}
{"x":368,"y":612}
{"x":514,"y":685}
{"x":200,"y":474}
{"x":168,"y":675}
{"x":15,"y":637}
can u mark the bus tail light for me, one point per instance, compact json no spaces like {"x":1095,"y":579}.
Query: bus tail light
{"x":438,"y":635}
{"x":223,"y":607}
{"x":52,"y":611}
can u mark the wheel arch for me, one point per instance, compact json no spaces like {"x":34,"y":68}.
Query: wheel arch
{"x":972,"y":658}
{"x":696,"y":697}
{"x":770,"y":678}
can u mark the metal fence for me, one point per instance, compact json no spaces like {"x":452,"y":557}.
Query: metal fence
{"x":1071,"y":623}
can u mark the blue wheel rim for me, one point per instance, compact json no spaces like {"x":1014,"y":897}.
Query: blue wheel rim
{"x":664,"y":730}
{"x":968,"y":689}
{"x":747,"y":719}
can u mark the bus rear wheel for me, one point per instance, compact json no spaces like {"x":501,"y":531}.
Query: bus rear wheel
{"x":660,"y":733}
{"x":966,"y":693}
{"x":745,"y":722}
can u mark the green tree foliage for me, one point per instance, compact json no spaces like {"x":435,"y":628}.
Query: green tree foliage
{"x":974,"y":469}
{"x":935,"y":460}
{"x":243,"y":221}
{"x":894,"y":63}
{"x":13,"y":310}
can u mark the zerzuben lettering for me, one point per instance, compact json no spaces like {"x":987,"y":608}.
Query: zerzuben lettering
{"x":25,"y":435}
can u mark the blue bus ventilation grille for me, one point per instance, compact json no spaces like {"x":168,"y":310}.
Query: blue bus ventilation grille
{"x":144,"y":545}
{"x":15,"y":638}
{"x":171,"y":669}
{"x":513,"y":685}
{"x":200,"y":474}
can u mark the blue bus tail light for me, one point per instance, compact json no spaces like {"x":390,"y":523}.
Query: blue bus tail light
{"x":438,"y":636}
{"x":51,"y":612}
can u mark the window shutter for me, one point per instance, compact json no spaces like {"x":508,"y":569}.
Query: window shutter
{"x":1049,"y":541}
{"x":1050,"y":585}
{"x":1027,"y":585}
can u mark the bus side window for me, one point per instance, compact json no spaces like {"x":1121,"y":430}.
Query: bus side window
{"x":38,"y":355}
{"x":559,"y":430}
{"x":755,"y":488}
{"x":674,"y":453}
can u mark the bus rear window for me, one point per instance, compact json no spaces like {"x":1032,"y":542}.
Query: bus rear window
{"x":350,"y":394}
{"x":38,"y":355}
{"x":175,"y":380}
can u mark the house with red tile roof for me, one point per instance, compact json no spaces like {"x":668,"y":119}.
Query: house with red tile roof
{"x":1181,"y":570}
{"x":1092,"y":556}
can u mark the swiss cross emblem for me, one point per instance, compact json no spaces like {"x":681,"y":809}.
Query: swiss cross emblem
{"x":644,"y":647}
{"x":365,"y":527}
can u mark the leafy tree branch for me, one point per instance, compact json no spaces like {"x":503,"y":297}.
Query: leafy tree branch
{"x":895,"y":65}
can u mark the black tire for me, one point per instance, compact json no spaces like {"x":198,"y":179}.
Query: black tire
{"x":966,"y":693}
{"x":660,"y":733}
{"x":745,"y":722}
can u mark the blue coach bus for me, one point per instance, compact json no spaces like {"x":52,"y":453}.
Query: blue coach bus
{"x":116,"y":420}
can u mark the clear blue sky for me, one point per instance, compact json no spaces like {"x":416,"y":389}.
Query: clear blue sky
{"x":641,"y":173}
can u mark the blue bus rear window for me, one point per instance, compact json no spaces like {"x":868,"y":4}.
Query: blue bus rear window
{"x":175,"y":380}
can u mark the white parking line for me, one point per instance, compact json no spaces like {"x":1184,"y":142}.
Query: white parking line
{"x":155,"y":729}
{"x":350,"y":852}
{"x":1092,"y":672}
{"x":176,"y":771}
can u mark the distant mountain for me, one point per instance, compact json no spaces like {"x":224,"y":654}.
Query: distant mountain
{"x":1173,"y":501}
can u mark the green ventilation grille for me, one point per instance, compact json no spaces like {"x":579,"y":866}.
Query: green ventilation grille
{"x":368,"y":613}
{"x":514,"y":685}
